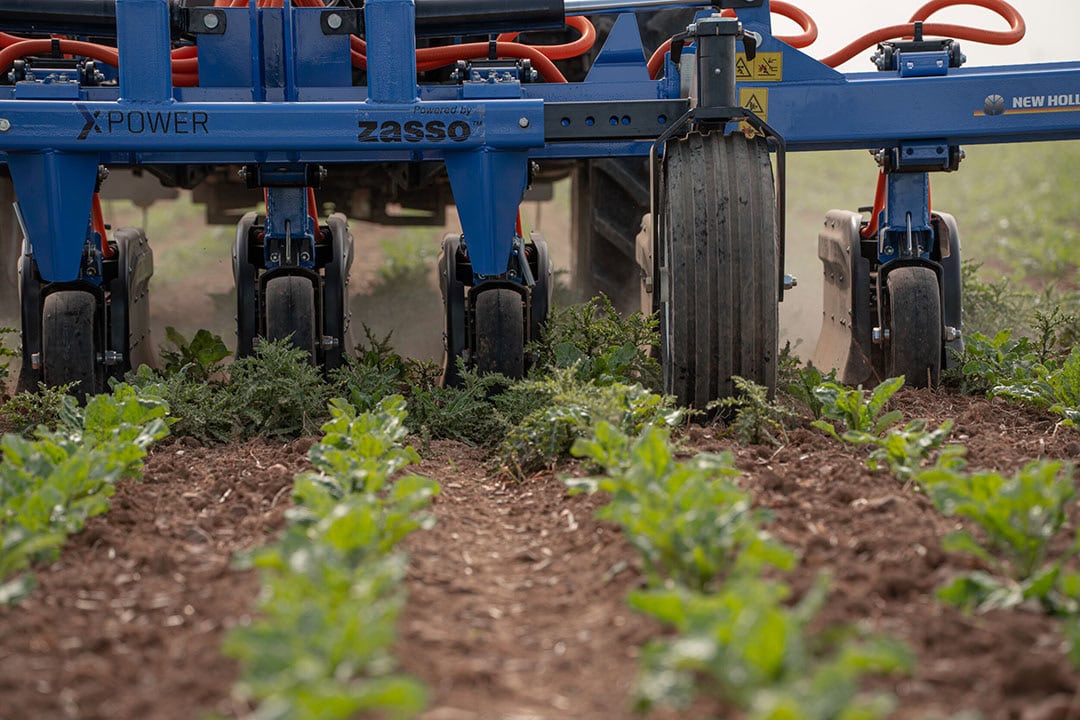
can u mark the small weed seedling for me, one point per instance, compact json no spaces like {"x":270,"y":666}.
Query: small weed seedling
{"x":758,"y":419}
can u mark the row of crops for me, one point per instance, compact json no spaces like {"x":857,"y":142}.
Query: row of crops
{"x":332,"y":584}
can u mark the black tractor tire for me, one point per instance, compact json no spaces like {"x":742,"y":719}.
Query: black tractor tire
{"x":69,"y":344}
{"x":718,"y":260}
{"x":915,"y":326}
{"x":609,"y":196}
{"x":500,"y":333}
{"x":290,"y":312}
{"x":453,"y":295}
{"x":11,"y":242}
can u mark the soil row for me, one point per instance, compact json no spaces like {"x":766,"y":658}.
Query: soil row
{"x":516,"y":595}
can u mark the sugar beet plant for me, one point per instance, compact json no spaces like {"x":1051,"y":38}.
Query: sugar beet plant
{"x":332,"y":585}
{"x":863,"y":419}
{"x":52,"y":484}
{"x":1018,"y":517}
{"x":708,"y":562}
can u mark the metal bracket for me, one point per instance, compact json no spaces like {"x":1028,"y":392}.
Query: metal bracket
{"x":204,"y":21}
{"x":610,"y":120}
{"x":342,"y":21}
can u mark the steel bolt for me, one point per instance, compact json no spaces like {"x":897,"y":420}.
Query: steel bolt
{"x":333,"y":21}
{"x":790,"y":281}
{"x":5,"y":124}
{"x":210,"y":21}
{"x":952,"y":334}
{"x":523,"y":122}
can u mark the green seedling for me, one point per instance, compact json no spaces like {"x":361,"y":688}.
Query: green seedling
{"x":332,"y":584}
{"x":51,"y":485}
{"x":745,"y":645}
{"x":801,"y":385}
{"x":859,"y":415}
{"x":1018,"y":516}
{"x":199,"y":359}
{"x":687,"y":519}
{"x":903,"y":451}
{"x":757,"y":419}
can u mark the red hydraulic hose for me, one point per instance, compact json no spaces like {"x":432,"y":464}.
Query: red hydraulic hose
{"x":806,"y":23}
{"x":879,"y":204}
{"x":98,"y":220}
{"x":573,"y":49}
{"x":960,"y":32}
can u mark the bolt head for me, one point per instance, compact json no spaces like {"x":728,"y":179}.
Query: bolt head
{"x":5,"y":124}
{"x":210,"y":21}
{"x":333,"y":21}
{"x":523,"y":122}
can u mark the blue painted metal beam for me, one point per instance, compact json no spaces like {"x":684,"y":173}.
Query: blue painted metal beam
{"x":55,"y":190}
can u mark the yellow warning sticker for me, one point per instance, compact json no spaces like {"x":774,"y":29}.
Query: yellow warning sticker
{"x":743,"y":72}
{"x":765,"y":67}
{"x":756,"y":100}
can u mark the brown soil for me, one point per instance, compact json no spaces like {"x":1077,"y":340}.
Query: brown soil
{"x":129,"y":622}
{"x":516,"y":606}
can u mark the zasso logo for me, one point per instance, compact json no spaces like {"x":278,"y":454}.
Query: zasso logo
{"x":413,"y":131}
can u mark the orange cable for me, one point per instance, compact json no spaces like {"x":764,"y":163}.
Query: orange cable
{"x":98,"y":220}
{"x":573,"y":49}
{"x":1014,"y":34}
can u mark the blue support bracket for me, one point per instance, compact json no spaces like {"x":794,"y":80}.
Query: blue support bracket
{"x":144,"y":42}
{"x":289,"y":231}
{"x":488,"y":186}
{"x":905,"y":233}
{"x":622,"y":58}
{"x":391,"y":72}
{"x":55,"y":191}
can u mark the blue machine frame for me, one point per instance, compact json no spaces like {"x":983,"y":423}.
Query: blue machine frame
{"x":276,"y":92}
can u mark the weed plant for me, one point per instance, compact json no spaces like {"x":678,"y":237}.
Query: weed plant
{"x":756,"y":420}
{"x":600,"y":344}
{"x":5,"y":354}
{"x":568,"y":407}
{"x":27,"y":411}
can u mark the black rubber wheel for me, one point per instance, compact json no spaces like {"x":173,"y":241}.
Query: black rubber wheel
{"x":500,"y":333}
{"x":453,"y":294}
{"x":718,"y":261}
{"x":609,"y":196}
{"x":247,"y":287}
{"x":290,"y":312}
{"x":11,"y":242}
{"x":68,"y":343}
{"x":540,"y":293}
{"x":915,"y":329}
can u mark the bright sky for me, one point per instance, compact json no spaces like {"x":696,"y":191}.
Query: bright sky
{"x":1052,"y":26}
